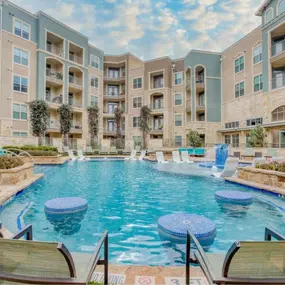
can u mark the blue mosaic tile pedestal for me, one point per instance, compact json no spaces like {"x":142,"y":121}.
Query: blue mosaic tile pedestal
{"x":234,"y":197}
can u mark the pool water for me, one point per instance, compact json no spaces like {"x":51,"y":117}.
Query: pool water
{"x":128,"y":197}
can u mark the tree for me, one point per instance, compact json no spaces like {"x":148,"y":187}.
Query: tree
{"x":194,"y":139}
{"x":39,"y":116}
{"x":118,"y":120}
{"x":93,"y":123}
{"x":257,"y":137}
{"x":144,"y":118}
{"x":65,"y":116}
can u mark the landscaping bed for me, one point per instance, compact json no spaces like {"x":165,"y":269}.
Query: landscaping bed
{"x":267,"y":174}
{"x":14,"y":170}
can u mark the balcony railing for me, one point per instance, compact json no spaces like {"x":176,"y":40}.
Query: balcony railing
{"x":76,"y":125}
{"x":55,"y":49}
{"x":200,"y":79}
{"x":74,"y":103}
{"x":53,"y":99}
{"x":278,"y":48}
{"x":75,"y":58}
{"x":75,"y":80}
{"x":57,"y":76}
{"x":278,"y":82}
{"x":112,"y":77}
{"x":53,"y":124}
{"x":157,"y":106}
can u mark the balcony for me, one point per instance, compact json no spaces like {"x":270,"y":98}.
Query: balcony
{"x":200,"y":108}
{"x":114,"y":96}
{"x":54,"y":78}
{"x":76,"y":127}
{"x":74,"y":103}
{"x":278,"y":82}
{"x":110,"y":132}
{"x":55,"y":49}
{"x":55,"y":44}
{"x":200,"y":83}
{"x":53,"y":125}
{"x":76,"y":53}
{"x":51,"y":98}
{"x":114,"y":79}
{"x":156,"y":131}
{"x":278,"y":54}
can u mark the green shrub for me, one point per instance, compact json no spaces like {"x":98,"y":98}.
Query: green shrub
{"x":274,"y":166}
{"x":8,"y":162}
{"x":32,"y":147}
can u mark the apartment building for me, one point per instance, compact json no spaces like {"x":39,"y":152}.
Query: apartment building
{"x":221,"y":95}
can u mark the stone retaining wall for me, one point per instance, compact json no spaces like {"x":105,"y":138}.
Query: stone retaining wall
{"x":17,"y":174}
{"x":43,"y":159}
{"x":261,"y":176}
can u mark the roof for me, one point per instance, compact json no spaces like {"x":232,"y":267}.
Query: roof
{"x":262,"y":7}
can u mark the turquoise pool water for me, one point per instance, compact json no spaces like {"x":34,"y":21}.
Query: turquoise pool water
{"x":128,"y":197}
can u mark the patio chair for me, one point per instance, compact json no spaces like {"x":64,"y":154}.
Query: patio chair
{"x":132,"y":156}
{"x":259,"y":160}
{"x":142,"y":155}
{"x":185,"y":157}
{"x":113,"y":150}
{"x":71,"y":155}
{"x":229,"y":169}
{"x":246,"y":262}
{"x":271,"y":152}
{"x":34,"y":262}
{"x":160,"y":157}
{"x":248,"y":152}
{"x":103,"y":150}
{"x":176,"y":157}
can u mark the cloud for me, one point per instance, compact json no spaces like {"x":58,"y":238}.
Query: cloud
{"x":154,"y":28}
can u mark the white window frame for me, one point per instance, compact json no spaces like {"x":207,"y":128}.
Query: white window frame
{"x":94,"y":96}
{"x":174,"y":77}
{"x":21,"y":56}
{"x":134,"y":121}
{"x":178,"y":136}
{"x":20,"y":132}
{"x":260,"y":84}
{"x":135,"y":88}
{"x":22,"y":22}
{"x":20,"y":91}
{"x":178,"y":114}
{"x":20,"y":112}
{"x":239,"y":83}
{"x":178,"y":93}
{"x":141,"y":102}
{"x":97,"y":60}
{"x":259,"y":55}
{"x":238,"y":58}
{"x":94,"y":77}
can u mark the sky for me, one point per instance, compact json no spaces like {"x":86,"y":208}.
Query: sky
{"x":154,"y":28}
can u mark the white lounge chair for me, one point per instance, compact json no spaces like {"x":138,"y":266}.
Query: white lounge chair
{"x":176,"y":157}
{"x":71,"y":155}
{"x":81,"y":156}
{"x":185,"y":157}
{"x":132,"y":156}
{"x":258,"y":160}
{"x":229,"y":170}
{"x":143,"y":153}
{"x":160,"y":157}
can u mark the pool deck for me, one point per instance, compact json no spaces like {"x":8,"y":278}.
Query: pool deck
{"x":8,"y":191}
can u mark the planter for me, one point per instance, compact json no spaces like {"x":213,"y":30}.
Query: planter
{"x":261,"y":176}
{"x":17,"y":174}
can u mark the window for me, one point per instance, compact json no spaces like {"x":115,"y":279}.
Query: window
{"x":278,"y":114}
{"x":254,"y":122}
{"x":94,"y":100}
{"x":281,"y":7}
{"x":257,"y":54}
{"x":158,"y":81}
{"x":20,"y":134}
{"x":137,"y":83}
{"x":178,"y":141}
{"x":137,"y":102}
{"x":227,"y":139}
{"x":22,"y":29}
{"x":19,"y":112}
{"x":137,"y":141}
{"x":178,"y":120}
{"x":20,"y":84}
{"x":178,"y":78}
{"x":239,"y":90}
{"x":94,"y":61}
{"x":178,"y":99}
{"x":268,"y":15}
{"x":21,"y":56}
{"x":239,"y":64}
{"x":258,"y":83}
{"x":235,"y":140}
{"x":136,"y":122}
{"x":94,"y":82}
{"x":232,"y":125}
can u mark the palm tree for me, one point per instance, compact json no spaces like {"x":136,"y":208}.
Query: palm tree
{"x":65,"y":115}
{"x":93,"y":123}
{"x":118,"y":120}
{"x":144,"y":118}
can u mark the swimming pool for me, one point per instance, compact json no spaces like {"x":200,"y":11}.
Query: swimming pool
{"x":128,"y":197}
